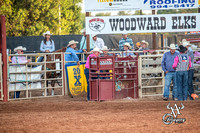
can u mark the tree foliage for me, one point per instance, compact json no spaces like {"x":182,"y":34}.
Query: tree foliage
{"x":34,"y":17}
{"x":103,"y":14}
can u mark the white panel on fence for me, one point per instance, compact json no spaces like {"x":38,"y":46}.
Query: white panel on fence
{"x":22,"y":77}
{"x":143,"y":23}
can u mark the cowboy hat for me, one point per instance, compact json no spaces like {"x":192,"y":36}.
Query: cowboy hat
{"x":193,"y":47}
{"x":93,"y":35}
{"x":71,"y":42}
{"x":105,"y":48}
{"x":172,"y":46}
{"x":46,"y":33}
{"x":96,"y":50}
{"x":128,"y":45}
{"x":182,"y":49}
{"x":186,"y":43}
{"x":144,"y":42}
{"x":83,"y":30}
{"x":19,"y":48}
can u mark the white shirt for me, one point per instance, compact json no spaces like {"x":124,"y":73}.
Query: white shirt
{"x":99,"y":43}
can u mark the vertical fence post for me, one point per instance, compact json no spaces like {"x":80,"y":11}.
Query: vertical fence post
{"x":4,"y":57}
{"x":88,"y":36}
{"x":154,"y":34}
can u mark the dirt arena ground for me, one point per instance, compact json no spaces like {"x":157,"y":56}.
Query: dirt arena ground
{"x":64,"y":114}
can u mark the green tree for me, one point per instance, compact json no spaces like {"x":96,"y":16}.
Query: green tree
{"x":124,"y":13}
{"x":33,"y":17}
{"x":177,"y":11}
{"x":103,"y":14}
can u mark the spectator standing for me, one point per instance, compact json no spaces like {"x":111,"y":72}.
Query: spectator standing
{"x":167,"y":62}
{"x":95,"y":53}
{"x":191,"y":70}
{"x":19,"y":60}
{"x":127,"y":49}
{"x":98,"y":42}
{"x":83,"y":43}
{"x":144,"y":45}
{"x":182,"y":63}
{"x":72,"y":56}
{"x":125,"y":39}
{"x":105,"y":52}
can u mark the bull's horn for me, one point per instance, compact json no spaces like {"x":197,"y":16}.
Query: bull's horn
{"x":168,"y":106}
{"x":182,"y":106}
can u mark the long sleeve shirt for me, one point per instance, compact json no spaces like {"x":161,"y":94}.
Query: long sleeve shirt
{"x":87,"y":65}
{"x":167,"y":61}
{"x":125,"y":53}
{"x":142,"y":50}
{"x":48,"y":46}
{"x":73,"y":56}
{"x":127,"y":40}
{"x":83,"y":43}
{"x":99,"y":43}
{"x":191,"y":54}
{"x":19,"y":59}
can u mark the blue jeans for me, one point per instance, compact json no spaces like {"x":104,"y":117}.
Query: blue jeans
{"x":190,"y":80}
{"x":17,"y":94}
{"x":170,"y":76}
{"x":86,"y":71}
{"x":182,"y":85}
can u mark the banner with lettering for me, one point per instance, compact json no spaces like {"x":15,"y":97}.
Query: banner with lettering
{"x":128,"y":5}
{"x":143,"y":23}
{"x":76,"y":79}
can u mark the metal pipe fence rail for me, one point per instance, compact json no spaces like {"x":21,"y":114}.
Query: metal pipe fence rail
{"x":34,"y":83}
{"x":1,"y":79}
{"x":36,"y":79}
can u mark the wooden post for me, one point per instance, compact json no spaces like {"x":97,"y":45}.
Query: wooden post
{"x":154,"y":35}
{"x":88,"y":36}
{"x":4,"y":57}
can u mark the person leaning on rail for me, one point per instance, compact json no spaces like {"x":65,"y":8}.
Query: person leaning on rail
{"x":72,"y":56}
{"x":47,"y":45}
{"x":167,"y":62}
{"x":144,"y":46}
{"x":127,"y":49}
{"x":105,"y":53}
{"x":95,"y":53}
{"x":19,"y":60}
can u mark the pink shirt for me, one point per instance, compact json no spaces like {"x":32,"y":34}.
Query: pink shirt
{"x":87,"y":62}
{"x":176,"y":60}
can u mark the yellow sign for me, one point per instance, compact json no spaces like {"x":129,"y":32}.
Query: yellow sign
{"x":76,"y":79}
{"x":199,"y":2}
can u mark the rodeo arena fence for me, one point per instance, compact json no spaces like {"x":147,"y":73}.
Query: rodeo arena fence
{"x":36,"y":79}
{"x":117,"y":77}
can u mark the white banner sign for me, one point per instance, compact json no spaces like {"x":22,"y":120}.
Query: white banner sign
{"x":128,"y":5}
{"x":143,"y":23}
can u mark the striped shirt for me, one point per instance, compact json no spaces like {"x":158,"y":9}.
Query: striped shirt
{"x":182,"y":62}
{"x":127,"y":40}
